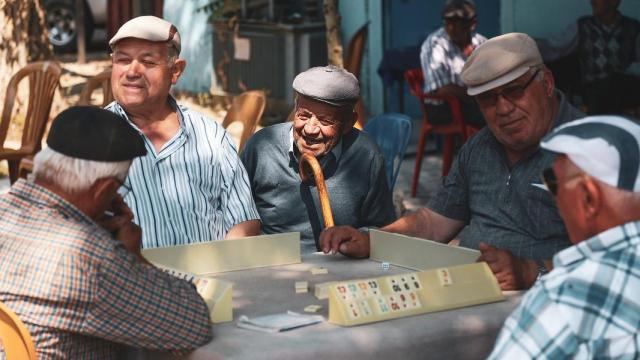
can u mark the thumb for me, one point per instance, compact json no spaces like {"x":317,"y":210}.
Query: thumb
{"x":483,"y":247}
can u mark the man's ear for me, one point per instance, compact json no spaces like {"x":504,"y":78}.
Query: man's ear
{"x":103,"y":190}
{"x":590,"y":198}
{"x":348,"y":124}
{"x":474,"y":23}
{"x":177,"y":69}
{"x":549,"y":83}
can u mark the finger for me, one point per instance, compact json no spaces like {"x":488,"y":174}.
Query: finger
{"x":485,"y":247}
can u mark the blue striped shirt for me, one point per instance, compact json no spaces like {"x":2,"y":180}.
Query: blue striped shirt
{"x":588,"y":307}
{"x":194,"y":189}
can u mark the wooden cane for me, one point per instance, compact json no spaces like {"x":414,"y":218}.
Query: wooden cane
{"x":308,"y":159}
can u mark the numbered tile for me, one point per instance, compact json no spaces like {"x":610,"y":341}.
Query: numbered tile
{"x":444,"y":275}
{"x":353,"y":310}
{"x":383,"y":305}
{"x":366,"y":309}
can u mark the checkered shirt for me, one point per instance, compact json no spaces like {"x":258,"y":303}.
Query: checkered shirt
{"x":442,"y":60}
{"x":79,"y":292}
{"x":587,"y":307}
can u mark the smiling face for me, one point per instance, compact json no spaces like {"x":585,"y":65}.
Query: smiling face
{"x":521,"y":112}
{"x":318,"y":126}
{"x":143,"y":73}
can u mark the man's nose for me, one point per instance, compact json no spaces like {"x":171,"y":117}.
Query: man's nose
{"x":503,"y":105}
{"x":312,"y":126}
{"x":134,"y":69}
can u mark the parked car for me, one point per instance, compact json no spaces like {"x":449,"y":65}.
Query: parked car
{"x":61,"y":20}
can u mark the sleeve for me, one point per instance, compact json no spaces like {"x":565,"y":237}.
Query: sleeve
{"x":560,"y":44}
{"x":536,"y":329}
{"x":378,"y":209}
{"x":236,"y":190}
{"x":434,"y":65}
{"x":139,"y":305}
{"x":452,"y":197}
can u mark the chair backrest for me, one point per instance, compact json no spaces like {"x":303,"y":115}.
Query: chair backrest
{"x":246,"y":108}
{"x":14,"y":336}
{"x":355,"y":51}
{"x":391,"y":132}
{"x":102,"y":80}
{"x":43,"y":78}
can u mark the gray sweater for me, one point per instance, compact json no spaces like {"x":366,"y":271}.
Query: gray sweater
{"x":356,"y":183}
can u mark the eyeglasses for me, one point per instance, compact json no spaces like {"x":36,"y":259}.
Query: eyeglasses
{"x":124,"y":189}
{"x":550,"y":180}
{"x":512,"y":93}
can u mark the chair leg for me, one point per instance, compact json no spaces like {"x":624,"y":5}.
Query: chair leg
{"x":13,"y":170}
{"x":447,"y":154}
{"x":419,"y":155}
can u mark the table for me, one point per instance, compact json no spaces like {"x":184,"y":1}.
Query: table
{"x":467,"y":333}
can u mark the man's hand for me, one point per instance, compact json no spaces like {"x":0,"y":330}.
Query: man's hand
{"x":118,"y":221}
{"x":512,"y":273}
{"x":346,"y":240}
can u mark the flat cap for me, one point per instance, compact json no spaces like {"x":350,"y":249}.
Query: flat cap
{"x":462,"y":9}
{"x":498,"y":61}
{"x":330,"y":84}
{"x":149,"y":28}
{"x":91,"y":133}
{"x":605,"y":147}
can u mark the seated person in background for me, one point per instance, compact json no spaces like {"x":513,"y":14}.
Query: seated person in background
{"x":73,"y":274}
{"x":191,"y":185}
{"x":494,"y":186}
{"x":588,"y":307}
{"x":352,"y":164}
{"x":608,"y":47}
{"x":443,"y":55}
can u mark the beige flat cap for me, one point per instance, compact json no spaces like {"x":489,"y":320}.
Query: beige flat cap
{"x":329,"y":84}
{"x":148,"y":28}
{"x":498,"y":61}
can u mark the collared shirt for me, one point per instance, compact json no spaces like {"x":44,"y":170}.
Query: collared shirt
{"x":588,"y":307}
{"x":354,"y":175}
{"x":504,"y":206}
{"x":79,"y":291}
{"x":194,"y":189}
{"x":442,"y":60}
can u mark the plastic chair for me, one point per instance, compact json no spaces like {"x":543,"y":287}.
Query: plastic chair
{"x":353,"y":64}
{"x":43,"y":78}
{"x":246,"y":108}
{"x":14,"y":336}
{"x":392,"y":133}
{"x":102,"y":80}
{"x":458,"y":126}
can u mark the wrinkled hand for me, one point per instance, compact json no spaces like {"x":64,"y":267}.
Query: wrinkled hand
{"x":346,"y":240}
{"x":119,"y":222}
{"x":511,"y":272}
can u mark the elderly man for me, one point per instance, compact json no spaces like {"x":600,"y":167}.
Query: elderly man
{"x":443,"y":55}
{"x":588,"y":306}
{"x":73,"y":274}
{"x":608,"y":47}
{"x":493,"y":188}
{"x":191,"y":185}
{"x":352,"y":163}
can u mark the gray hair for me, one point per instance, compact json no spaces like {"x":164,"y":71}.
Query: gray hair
{"x":75,"y":175}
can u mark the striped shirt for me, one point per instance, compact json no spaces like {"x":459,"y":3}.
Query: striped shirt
{"x":194,"y":189}
{"x":588,"y":307}
{"x":79,"y":292}
{"x":442,"y":60}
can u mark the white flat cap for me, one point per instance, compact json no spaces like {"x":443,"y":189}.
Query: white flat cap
{"x":498,"y":61}
{"x":149,"y":28}
{"x":605,"y":147}
{"x":330,"y":84}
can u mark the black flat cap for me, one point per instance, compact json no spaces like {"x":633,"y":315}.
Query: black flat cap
{"x":91,"y":133}
{"x":462,"y":9}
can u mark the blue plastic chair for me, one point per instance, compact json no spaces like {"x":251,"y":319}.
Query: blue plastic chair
{"x":391,"y":132}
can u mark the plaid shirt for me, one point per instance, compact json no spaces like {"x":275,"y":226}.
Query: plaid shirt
{"x":587,"y":307}
{"x":79,"y":291}
{"x":442,"y":60}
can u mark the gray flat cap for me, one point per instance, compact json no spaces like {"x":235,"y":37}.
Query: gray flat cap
{"x":498,"y":61}
{"x":329,"y":84}
{"x":149,"y":28}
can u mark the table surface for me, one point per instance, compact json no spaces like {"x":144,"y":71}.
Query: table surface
{"x":467,"y":333}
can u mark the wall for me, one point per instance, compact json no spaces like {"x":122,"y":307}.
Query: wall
{"x":196,"y":36}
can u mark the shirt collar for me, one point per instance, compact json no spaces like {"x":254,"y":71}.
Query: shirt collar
{"x":37,"y":194}
{"x":336,"y":151}
{"x":172,"y":102}
{"x":615,"y":239}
